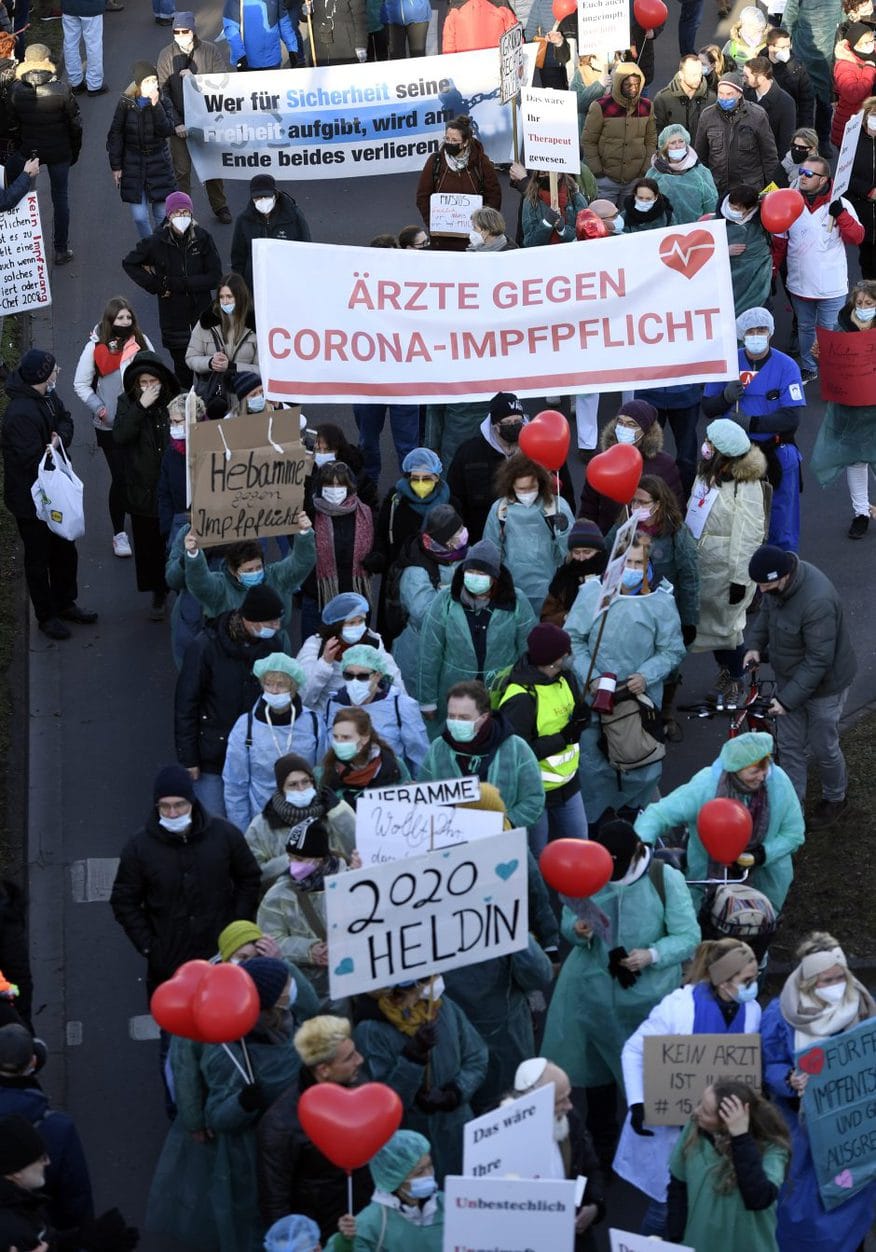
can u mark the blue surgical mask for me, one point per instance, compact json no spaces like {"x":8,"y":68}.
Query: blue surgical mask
{"x":625,"y":434}
{"x":746,"y":994}
{"x":865,"y":315}
{"x":227,"y":308}
{"x":422,"y":1188}
{"x":251,"y":578}
{"x":301,"y":799}
{"x":265,"y":632}
{"x":256,"y":404}
{"x":344,"y":751}
{"x":619,"y":223}
{"x":755,"y":344}
{"x":277,"y":699}
{"x":477,"y":584}
{"x":461,"y":731}
{"x":644,"y":206}
{"x":632,"y":577}
{"x":733,"y":215}
{"x":677,"y":154}
{"x":324,"y":458}
{"x":728,"y":105}
{"x":352,"y":634}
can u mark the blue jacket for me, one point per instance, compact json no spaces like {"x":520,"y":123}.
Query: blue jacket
{"x":405,"y":12}
{"x":253,"y":747}
{"x":68,"y":1186}
{"x":265,"y":24}
{"x":395,"y":716}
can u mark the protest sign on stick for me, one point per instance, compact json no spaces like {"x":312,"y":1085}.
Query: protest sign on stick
{"x":512,"y":74}
{"x":517,"y":1215}
{"x":24,"y":269}
{"x":514,"y":1140}
{"x":846,"y":158}
{"x":678,"y":1068}
{"x":550,"y":130}
{"x":394,"y":830}
{"x":603,"y":29}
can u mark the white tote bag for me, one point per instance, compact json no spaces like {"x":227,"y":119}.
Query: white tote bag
{"x":58,"y":495}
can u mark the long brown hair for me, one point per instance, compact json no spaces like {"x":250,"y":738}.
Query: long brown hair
{"x":520,"y":466}
{"x":106,"y":331}
{"x":715,"y":471}
{"x":667,"y":515}
{"x":360,"y":719}
{"x":563,"y":180}
{"x":234,"y":327}
{"x":766,"y":1127}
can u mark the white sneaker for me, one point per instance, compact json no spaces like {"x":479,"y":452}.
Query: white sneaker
{"x":121,"y":545}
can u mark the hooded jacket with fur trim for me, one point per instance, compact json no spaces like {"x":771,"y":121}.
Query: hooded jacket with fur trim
{"x":620,"y":134}
{"x":604,"y":512}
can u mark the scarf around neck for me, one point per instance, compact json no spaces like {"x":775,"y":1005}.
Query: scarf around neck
{"x":408,"y":1021}
{"x":280,"y":814}
{"x":327,"y":583}
{"x":812,"y":1019}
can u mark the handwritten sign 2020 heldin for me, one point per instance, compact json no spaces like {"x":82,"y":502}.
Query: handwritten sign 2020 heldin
{"x":678,"y":1068}
{"x":839,"y":1107}
{"x":847,"y":367}
{"x":409,"y":919}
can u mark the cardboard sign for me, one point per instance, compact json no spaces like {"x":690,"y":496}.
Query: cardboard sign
{"x":514,"y":1216}
{"x":678,"y":1068}
{"x":611,"y":578}
{"x":450,"y":212}
{"x":514,"y":1141}
{"x":603,"y":28}
{"x":839,"y":1111}
{"x":392,"y":831}
{"x":550,"y":130}
{"x":847,"y":366}
{"x":247,"y":476}
{"x":408,"y":919}
{"x":512,"y":63}
{"x":624,"y":1241}
{"x":24,"y":268}
{"x":846,"y":159}
{"x":438,"y":791}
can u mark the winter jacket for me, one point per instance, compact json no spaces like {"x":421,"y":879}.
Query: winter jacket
{"x":282,"y":916}
{"x":421,"y":580}
{"x":171,"y":494}
{"x":219,"y":590}
{"x":812,"y":25}
{"x":815,"y":249}
{"x":254,"y":29}
{"x":507,"y":762}
{"x":285,"y":221}
{"x":687,"y":184}
{"x":404,"y":12}
{"x":853,"y":82}
{"x":386,"y":1225}
{"x":459,"y":1058}
{"x":803,"y":630}
{"x":793,"y":77}
{"x":470,"y":479}
{"x":736,"y":525}
{"x":448,"y":653}
{"x":784,"y":834}
{"x":674,"y":558}
{"x":186,"y":269}
{"x":68,"y":1185}
{"x":46,"y":116}
{"x":400,"y":520}
{"x":253,"y":747}
{"x":267,"y":842}
{"x":143,"y":433}
{"x":598,"y":508}
{"x":591,"y":1015}
{"x":294,"y":1176}
{"x":781,"y":114}
{"x":100,"y":391}
{"x":737,"y":145}
{"x":173,"y":894}
{"x":215,"y":685}
{"x":674,"y":107}
{"x":620,"y":135}
{"x":340,"y":30}
{"x":532,"y":542}
{"x":478,"y":177}
{"x":204,"y":58}
{"x":324,"y":678}
{"x":137,"y":145}
{"x":28,"y":424}
{"x":475,"y":24}
{"x":391,"y":771}
{"x":536,"y":232}
{"x":395,"y":716}
{"x":81,"y":8}
{"x":863,"y":180}
{"x":207,"y":339}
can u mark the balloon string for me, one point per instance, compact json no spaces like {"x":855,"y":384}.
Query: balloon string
{"x":247,"y":1060}
{"x":236,"y":1064}
{"x":349,"y":1191}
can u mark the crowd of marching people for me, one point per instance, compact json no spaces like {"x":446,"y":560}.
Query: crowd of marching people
{"x":456,"y":625}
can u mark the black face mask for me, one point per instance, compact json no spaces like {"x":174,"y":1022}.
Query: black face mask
{"x":453,"y":149}
{"x":592,"y":565}
{"x":510,"y":431}
{"x":798,"y":153}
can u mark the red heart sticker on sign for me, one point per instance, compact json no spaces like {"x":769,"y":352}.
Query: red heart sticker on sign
{"x":687,"y":253}
{"x":812,"y":1062}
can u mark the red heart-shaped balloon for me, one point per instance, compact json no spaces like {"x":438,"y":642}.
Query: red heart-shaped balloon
{"x":780,"y":209}
{"x":724,"y":828}
{"x":650,"y":13}
{"x":564,"y":8}
{"x":171,"y":1003}
{"x":576,"y":867}
{"x":545,"y":439}
{"x":350,"y":1124}
{"x":687,"y":253}
{"x":225,"y":1005}
{"x":616,"y":472}
{"x":812,"y":1062}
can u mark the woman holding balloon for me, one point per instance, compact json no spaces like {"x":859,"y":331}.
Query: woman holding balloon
{"x":636,"y":424}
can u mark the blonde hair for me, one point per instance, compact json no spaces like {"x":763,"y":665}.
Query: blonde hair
{"x":709,"y":952}
{"x":177,"y":406}
{"x":318,"y":1040}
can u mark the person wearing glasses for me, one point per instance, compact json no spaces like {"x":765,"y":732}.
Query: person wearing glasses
{"x":394,"y":715}
{"x":416,"y":237}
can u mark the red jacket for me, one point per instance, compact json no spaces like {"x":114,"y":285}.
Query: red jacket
{"x":474,"y":25}
{"x":854,"y":82}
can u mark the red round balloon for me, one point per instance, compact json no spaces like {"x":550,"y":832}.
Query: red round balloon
{"x":225,"y":1004}
{"x":350,"y":1124}
{"x":545,"y":439}
{"x":171,"y":1003}
{"x":724,"y":828}
{"x":564,"y":8}
{"x":616,"y":472}
{"x":780,"y":209}
{"x":650,"y":13}
{"x":576,"y":867}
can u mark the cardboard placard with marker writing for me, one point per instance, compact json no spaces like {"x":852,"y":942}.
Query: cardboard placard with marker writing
{"x":678,"y":1068}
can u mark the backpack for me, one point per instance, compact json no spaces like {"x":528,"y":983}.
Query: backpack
{"x":739,"y":911}
{"x":632,"y":734}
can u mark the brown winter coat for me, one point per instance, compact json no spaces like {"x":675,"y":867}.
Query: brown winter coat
{"x":478,"y":178}
{"x":604,"y":512}
{"x":620,"y":135}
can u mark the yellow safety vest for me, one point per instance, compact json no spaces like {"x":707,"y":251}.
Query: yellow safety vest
{"x":554,"y":705}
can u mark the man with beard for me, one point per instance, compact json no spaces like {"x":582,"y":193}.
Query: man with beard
{"x":574,"y":1153}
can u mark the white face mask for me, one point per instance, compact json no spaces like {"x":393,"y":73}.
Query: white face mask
{"x":301,"y":799}
{"x":433,"y":989}
{"x":176,"y":825}
{"x":526,"y":498}
{"x":185,"y":43}
{"x":264,"y":204}
{"x":358,"y":689}
{"x":871,"y":123}
{"x":352,"y":634}
{"x":624,"y":434}
{"x":783,"y":55}
{"x":734,"y":215}
{"x":475,"y":239}
{"x":833,"y":994}
{"x":677,"y":154}
{"x":324,"y":458}
{"x":865,"y":315}
{"x":181,"y":222}
{"x":177,"y":430}
{"x":644,"y":206}
{"x":334,"y":495}
{"x":277,"y":699}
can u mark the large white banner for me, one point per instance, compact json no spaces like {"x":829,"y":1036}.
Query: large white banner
{"x":407,"y":919}
{"x":343,"y":121}
{"x":24,"y":268}
{"x":379,"y":324}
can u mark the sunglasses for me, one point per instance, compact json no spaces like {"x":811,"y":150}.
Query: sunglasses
{"x":354,"y":675}
{"x":804,"y":173}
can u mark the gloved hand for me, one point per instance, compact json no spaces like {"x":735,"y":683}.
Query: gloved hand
{"x":733,"y":391}
{"x":242,"y":65}
{"x":439,"y":1099}
{"x":637,"y":1121}
{"x":253,"y":1098}
{"x":688,"y":634}
{"x":576,"y":725}
{"x":625,"y":977}
{"x":737,"y":593}
{"x":550,"y":216}
{"x":419,"y":1046}
{"x":759,"y":854}
{"x":374,"y":562}
{"x":836,"y":208}
{"x":108,"y":1233}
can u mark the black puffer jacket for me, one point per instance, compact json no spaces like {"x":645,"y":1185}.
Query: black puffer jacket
{"x":186,"y":269}
{"x":143,"y":433}
{"x":862,"y":181}
{"x":47,"y":117}
{"x":28,"y":425}
{"x":215,"y":686}
{"x":285,"y":221}
{"x":173,"y":894}
{"x":8,"y":122}
{"x":137,"y":145}
{"x":294,"y":1176}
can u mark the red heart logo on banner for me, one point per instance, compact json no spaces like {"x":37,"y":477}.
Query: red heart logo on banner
{"x":812,"y":1062}
{"x":687,"y":253}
